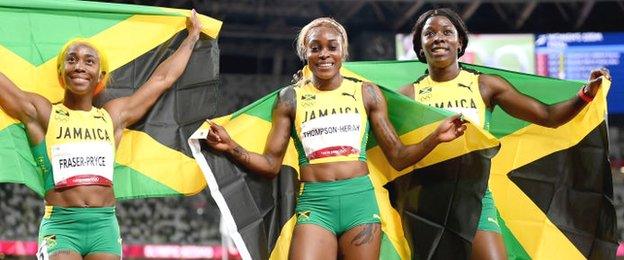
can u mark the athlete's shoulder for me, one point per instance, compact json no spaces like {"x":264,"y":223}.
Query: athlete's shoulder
{"x":490,"y":78}
{"x":494,"y":83}
{"x":287,"y":99}
{"x":288,"y":91}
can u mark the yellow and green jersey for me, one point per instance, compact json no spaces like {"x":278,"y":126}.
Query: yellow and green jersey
{"x":78,"y":148}
{"x":330,"y":126}
{"x":461,"y":95}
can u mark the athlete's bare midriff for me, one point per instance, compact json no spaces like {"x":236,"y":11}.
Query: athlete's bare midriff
{"x":81,"y":196}
{"x":333,"y":171}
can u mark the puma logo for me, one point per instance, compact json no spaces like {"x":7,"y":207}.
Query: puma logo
{"x":350,"y":95}
{"x":100,"y":117}
{"x":465,"y":86}
{"x":495,"y":221}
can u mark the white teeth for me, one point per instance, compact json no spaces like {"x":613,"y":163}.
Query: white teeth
{"x":80,"y":79}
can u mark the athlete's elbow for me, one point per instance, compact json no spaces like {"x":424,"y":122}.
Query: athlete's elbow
{"x":269,"y":173}
{"x":553,"y":118}
{"x":542,"y":118}
{"x":398,"y":165}
{"x":162,"y":80}
{"x":394,"y":159}
{"x":548,"y":122}
{"x":399,"y":168}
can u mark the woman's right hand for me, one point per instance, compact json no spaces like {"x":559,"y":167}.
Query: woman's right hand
{"x":218,"y":138}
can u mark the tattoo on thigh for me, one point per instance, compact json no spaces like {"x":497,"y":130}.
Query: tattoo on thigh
{"x":366,"y":235}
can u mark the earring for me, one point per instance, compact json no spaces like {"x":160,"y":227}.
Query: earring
{"x":422,"y":53}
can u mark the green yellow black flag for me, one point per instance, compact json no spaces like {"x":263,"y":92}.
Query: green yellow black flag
{"x":552,"y":186}
{"x":152,"y":158}
{"x":260,"y":213}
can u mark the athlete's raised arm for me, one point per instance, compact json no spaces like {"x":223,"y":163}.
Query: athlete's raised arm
{"x":127,"y":110}
{"x":497,"y":91}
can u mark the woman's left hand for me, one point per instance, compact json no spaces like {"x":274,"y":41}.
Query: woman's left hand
{"x":595,"y":80}
{"x":193,"y":25}
{"x":451,"y":128}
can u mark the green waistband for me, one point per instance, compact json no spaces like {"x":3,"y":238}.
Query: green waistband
{"x":340,"y":187}
{"x":79,"y":213}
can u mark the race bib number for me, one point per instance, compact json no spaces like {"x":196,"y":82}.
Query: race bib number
{"x":82,"y":164}
{"x":333,"y":135}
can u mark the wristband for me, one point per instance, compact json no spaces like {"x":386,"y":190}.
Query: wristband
{"x":586,"y":98}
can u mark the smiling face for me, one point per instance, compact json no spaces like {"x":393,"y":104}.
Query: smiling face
{"x":81,"y":69}
{"x":324,"y":52}
{"x":440,"y":41}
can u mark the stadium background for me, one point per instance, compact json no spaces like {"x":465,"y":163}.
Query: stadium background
{"x":257,"y":57}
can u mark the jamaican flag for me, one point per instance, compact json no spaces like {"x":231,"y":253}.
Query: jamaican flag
{"x":260,"y":212}
{"x":552,"y":186}
{"x":152,"y":158}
